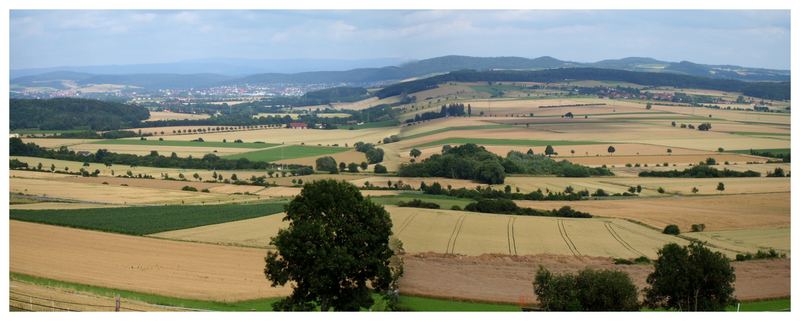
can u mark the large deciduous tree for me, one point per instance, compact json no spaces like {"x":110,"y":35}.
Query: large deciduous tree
{"x":690,"y":278}
{"x":335,"y":251}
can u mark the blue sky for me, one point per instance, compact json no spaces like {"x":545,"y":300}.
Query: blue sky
{"x":75,"y":38}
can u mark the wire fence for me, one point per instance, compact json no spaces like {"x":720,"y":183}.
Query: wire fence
{"x":27,"y":302}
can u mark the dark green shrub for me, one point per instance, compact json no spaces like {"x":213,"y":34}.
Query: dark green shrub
{"x":672,"y":229}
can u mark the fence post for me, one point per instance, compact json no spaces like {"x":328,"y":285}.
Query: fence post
{"x":116,"y":303}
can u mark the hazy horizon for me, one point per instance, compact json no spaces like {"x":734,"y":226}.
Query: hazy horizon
{"x":47,"y":38}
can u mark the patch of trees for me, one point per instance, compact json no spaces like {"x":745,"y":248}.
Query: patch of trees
{"x":470,"y":161}
{"x":700,"y":171}
{"x":336,"y":94}
{"x":589,"y":290}
{"x":72,"y":113}
{"x":114,"y":134}
{"x":327,"y":164}
{"x":446,"y":111}
{"x":103,"y":156}
{"x":506,"y":206}
{"x":770,"y":254}
{"x":766,"y":90}
{"x":374,"y":155}
{"x":418,"y":203}
{"x":569,"y":193}
{"x":786,"y":157}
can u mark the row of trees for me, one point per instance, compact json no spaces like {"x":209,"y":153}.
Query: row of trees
{"x":103,"y":156}
{"x":700,"y":171}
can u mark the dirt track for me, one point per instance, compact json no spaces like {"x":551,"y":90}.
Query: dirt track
{"x":504,"y":278}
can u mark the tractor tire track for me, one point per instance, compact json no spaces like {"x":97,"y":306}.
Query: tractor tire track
{"x":563,"y":230}
{"x":512,"y":241}
{"x":406,"y":223}
{"x":621,"y":241}
{"x":451,"y":242}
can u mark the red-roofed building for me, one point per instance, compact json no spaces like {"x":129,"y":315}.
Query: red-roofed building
{"x":298,"y":125}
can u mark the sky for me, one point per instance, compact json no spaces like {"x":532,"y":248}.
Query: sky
{"x":41,"y":38}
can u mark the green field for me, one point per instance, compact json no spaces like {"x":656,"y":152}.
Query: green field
{"x":147,"y":219}
{"x":415,"y":303}
{"x":48,"y":132}
{"x":287,"y":152}
{"x":444,"y":201}
{"x":507,"y":142}
{"x":776,"y":151}
{"x":152,"y":142}
{"x":447,"y":129}
{"x":375,"y":124}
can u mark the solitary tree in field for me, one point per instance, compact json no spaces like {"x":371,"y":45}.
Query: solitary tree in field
{"x":611,"y":150}
{"x":335,"y":251}
{"x":415,"y":152}
{"x":669,"y":151}
{"x":720,"y":187}
{"x":549,"y":150}
{"x":572,"y":151}
{"x":695,"y":190}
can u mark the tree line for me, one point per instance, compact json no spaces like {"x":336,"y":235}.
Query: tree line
{"x":700,"y":171}
{"x":73,"y":113}
{"x":103,"y":156}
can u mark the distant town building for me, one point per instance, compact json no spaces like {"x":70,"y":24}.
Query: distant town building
{"x":298,"y":125}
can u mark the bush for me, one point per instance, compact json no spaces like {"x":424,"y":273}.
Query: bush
{"x":380,"y":169}
{"x":672,"y":229}
{"x":455,"y":208}
{"x":327,"y":163}
{"x":661,"y":190}
{"x":418,"y":203}
{"x":189,"y":188}
{"x":770,"y":254}
{"x":698,"y":227}
{"x":600,"y":193}
{"x":205,"y":190}
{"x":589,"y":290}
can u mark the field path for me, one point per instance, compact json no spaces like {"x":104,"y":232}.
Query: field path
{"x":451,"y":243}
{"x":512,"y":242}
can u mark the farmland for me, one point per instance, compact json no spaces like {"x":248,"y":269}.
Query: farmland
{"x":197,"y":237}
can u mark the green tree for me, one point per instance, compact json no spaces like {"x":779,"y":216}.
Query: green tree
{"x":549,"y":150}
{"x":720,"y":187}
{"x":335,"y":251}
{"x":364,"y":165}
{"x":611,"y":150}
{"x":589,"y":290}
{"x":327,"y":164}
{"x":352,"y":167}
{"x":672,"y":229}
{"x":380,"y":169}
{"x":415,"y":152}
{"x":342,"y":166}
{"x":490,"y":172}
{"x":690,"y":278}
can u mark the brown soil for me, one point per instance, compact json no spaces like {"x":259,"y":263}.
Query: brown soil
{"x":503,"y":278}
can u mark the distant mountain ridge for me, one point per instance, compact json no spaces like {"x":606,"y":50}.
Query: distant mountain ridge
{"x":389,"y":74}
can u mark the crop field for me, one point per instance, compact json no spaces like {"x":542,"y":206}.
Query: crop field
{"x":168,"y":115}
{"x":286,"y":152}
{"x":309,"y":137}
{"x":722,"y":212}
{"x":171,"y":268}
{"x":149,"y":219}
{"x":513,"y":142}
{"x":153,"y":142}
{"x":749,"y":240}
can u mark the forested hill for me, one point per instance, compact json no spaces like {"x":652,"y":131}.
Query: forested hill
{"x":767,"y":90}
{"x":71,"y":113}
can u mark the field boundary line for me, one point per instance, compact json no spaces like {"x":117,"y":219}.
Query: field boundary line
{"x":508,"y":234}
{"x":621,"y":241}
{"x":513,"y":237}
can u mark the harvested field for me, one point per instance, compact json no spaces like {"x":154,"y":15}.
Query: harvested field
{"x":749,"y":240}
{"x":171,"y":268}
{"x":650,"y":185}
{"x":34,"y":297}
{"x":168,"y":115}
{"x":503,"y":278}
{"x":181,"y":151}
{"x":366,"y":103}
{"x":178,"y":143}
{"x":58,"y":142}
{"x":58,"y":206}
{"x":255,"y":232}
{"x":652,"y":160}
{"x":311,"y":137}
{"x":718,"y":213}
{"x":119,"y":195}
